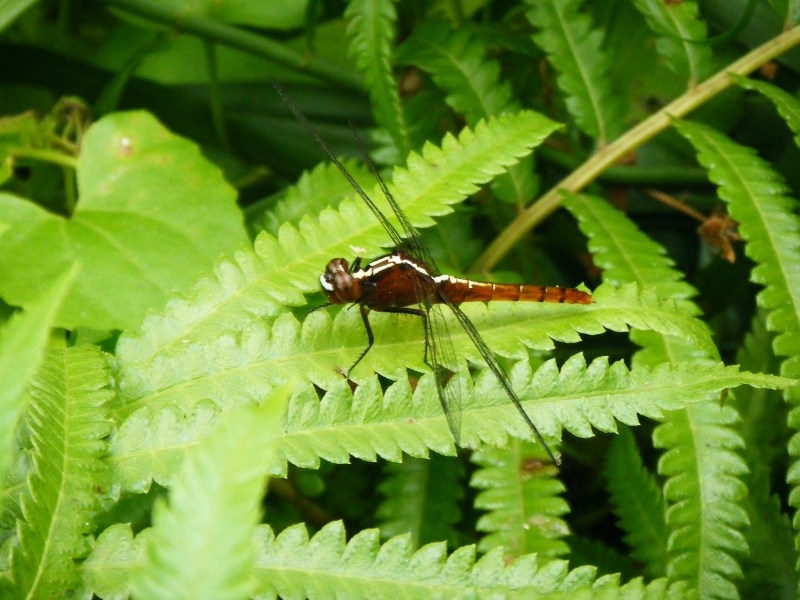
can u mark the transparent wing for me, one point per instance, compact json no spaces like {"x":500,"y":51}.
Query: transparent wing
{"x":496,"y":369}
{"x":441,"y":358}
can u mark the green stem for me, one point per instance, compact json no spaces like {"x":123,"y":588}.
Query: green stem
{"x":50,"y":156}
{"x":170,"y":14}
{"x":214,"y":96}
{"x":624,"y":145}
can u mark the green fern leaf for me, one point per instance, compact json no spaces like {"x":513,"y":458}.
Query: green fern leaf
{"x":22,"y":344}
{"x":67,"y":423}
{"x":770,"y":565}
{"x":323,"y":187}
{"x":149,"y":443}
{"x":638,"y":504}
{"x":372,"y":32}
{"x":521,"y":493}
{"x":632,"y":257}
{"x":421,"y":499}
{"x":617,"y":247}
{"x":758,"y":199}
{"x":460,"y":66}
{"x":719,"y":511}
{"x":108,"y":570}
{"x":200,"y":545}
{"x":674,"y":24}
{"x":292,"y":566}
{"x":626,"y":255}
{"x":786,"y":104}
{"x":576,"y":398}
{"x":576,"y":50}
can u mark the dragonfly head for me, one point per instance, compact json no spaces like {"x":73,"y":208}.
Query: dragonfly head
{"x":338,"y":284}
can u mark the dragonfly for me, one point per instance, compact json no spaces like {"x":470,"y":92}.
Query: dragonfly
{"x":406,"y":281}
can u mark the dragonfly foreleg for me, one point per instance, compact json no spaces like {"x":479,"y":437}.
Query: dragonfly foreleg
{"x":402,"y":310}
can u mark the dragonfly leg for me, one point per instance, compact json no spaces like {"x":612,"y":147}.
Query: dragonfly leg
{"x":370,"y":337}
{"x":402,"y":310}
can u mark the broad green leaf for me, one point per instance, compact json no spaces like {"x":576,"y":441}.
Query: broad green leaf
{"x":152,"y":214}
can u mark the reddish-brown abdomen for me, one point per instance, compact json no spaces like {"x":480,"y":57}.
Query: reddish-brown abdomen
{"x":465,"y":290}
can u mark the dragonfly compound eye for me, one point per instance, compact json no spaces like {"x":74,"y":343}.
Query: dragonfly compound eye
{"x":337,"y":283}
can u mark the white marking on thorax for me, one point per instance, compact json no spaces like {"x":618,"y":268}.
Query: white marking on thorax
{"x":387,"y":263}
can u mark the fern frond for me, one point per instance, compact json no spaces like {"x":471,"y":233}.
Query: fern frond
{"x":372,"y":32}
{"x":638,"y":504}
{"x":459,"y":65}
{"x":292,"y":566}
{"x":23,"y":340}
{"x":421,"y":499}
{"x":322,"y":187}
{"x":151,"y":444}
{"x":758,"y":199}
{"x":220,"y":309}
{"x":675,"y":24}
{"x":575,"y":49}
{"x":522,"y":497}
{"x":366,"y":425}
{"x":786,"y":104}
{"x":772,"y":553}
{"x":618,"y":247}
{"x":67,"y":423}
{"x":241,"y":368}
{"x":200,"y":545}
{"x":710,"y":429}
{"x":704,"y":554}
{"x":108,"y":570}
{"x":627,"y":255}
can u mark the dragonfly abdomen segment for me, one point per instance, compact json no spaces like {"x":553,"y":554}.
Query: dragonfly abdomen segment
{"x":466,"y":290}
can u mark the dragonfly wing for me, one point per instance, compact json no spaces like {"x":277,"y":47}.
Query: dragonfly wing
{"x":441,"y":357}
{"x":497,"y":370}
